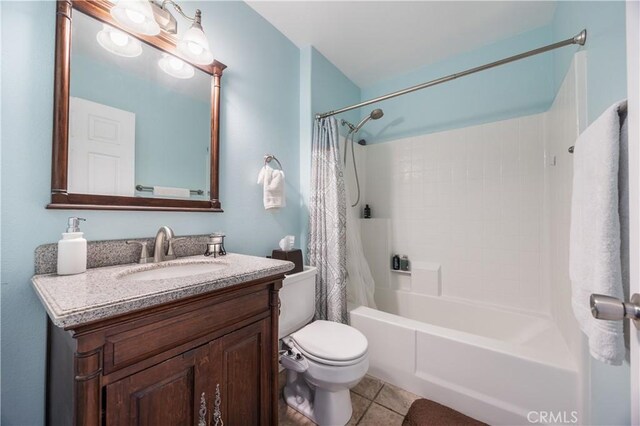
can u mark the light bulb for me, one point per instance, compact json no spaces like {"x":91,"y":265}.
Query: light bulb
{"x":118,"y":42}
{"x":176,"y":63}
{"x":175,"y":67}
{"x":194,"y":45}
{"x":195,"y":48}
{"x":135,"y":16}
{"x":118,"y":38}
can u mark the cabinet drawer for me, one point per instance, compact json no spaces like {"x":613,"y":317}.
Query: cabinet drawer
{"x":127,"y":347}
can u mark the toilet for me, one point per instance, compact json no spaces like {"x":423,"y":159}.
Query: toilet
{"x":323,"y":359}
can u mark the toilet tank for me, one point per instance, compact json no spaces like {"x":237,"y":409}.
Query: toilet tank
{"x":297,"y":301}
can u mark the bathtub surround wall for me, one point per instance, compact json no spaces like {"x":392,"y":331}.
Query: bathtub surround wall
{"x":260,"y":113}
{"x":563,"y":124}
{"x":466,"y":206}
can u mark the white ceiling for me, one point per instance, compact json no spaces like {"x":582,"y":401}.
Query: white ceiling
{"x":373,"y":40}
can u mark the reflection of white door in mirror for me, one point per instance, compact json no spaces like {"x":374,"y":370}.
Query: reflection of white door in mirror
{"x":101,"y":149}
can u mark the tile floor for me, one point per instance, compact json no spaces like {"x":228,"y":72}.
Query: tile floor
{"x":374,"y":403}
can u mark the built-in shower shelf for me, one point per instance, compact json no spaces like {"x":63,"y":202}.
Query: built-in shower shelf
{"x":398,"y":271}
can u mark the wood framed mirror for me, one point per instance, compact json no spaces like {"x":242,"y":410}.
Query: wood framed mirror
{"x":138,"y":186}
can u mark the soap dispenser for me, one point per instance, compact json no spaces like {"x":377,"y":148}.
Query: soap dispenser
{"x":72,"y":249}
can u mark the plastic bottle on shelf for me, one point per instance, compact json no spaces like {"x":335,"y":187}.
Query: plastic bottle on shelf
{"x":395,"y":262}
{"x":404,"y":263}
{"x":367,"y":211}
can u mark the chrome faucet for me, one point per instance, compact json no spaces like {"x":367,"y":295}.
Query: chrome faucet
{"x":159,"y":255}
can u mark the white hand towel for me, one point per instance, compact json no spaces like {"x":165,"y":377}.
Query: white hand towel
{"x":595,"y":264}
{"x":272,"y":187}
{"x":167,"y":191}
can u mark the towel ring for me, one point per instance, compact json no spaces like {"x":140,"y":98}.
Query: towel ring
{"x":269,"y":158}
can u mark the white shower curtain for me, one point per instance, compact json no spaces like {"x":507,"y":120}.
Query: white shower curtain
{"x":327,"y":222}
{"x":360,"y":284}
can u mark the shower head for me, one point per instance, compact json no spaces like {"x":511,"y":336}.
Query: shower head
{"x":375,"y":114}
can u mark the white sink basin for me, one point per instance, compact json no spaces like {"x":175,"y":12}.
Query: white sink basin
{"x":180,"y":270}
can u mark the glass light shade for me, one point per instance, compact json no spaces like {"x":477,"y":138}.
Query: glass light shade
{"x":136,"y":15}
{"x":175,"y":67}
{"x":118,"y":43}
{"x":194,"y":46}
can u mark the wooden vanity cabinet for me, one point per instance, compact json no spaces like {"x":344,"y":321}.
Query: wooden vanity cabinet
{"x":181,"y":363}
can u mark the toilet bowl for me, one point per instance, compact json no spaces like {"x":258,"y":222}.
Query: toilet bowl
{"x":323,"y":359}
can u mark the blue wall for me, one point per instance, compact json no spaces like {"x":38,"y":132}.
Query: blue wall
{"x":172,"y":133}
{"x":606,"y":49}
{"x":260,"y":114}
{"x":520,"y":88}
{"x":323,"y":87}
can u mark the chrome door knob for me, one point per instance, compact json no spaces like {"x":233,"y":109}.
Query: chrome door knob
{"x":613,"y":309}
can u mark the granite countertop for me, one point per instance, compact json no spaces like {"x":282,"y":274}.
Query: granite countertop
{"x":100,"y":293}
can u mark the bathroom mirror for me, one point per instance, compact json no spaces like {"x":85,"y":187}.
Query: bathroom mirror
{"x":136,"y":127}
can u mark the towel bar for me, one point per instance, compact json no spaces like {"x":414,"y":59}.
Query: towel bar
{"x":142,"y":188}
{"x":622,"y":110}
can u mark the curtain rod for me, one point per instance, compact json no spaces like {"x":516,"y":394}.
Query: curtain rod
{"x":580,"y":39}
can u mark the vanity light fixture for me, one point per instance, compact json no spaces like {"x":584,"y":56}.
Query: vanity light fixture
{"x":135,"y":14}
{"x":175,"y":67}
{"x":118,"y":42}
{"x":194,"y":44}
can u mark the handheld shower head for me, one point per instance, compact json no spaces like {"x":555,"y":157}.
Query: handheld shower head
{"x":375,"y":114}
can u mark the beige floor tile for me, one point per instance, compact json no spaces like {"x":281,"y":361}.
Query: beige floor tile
{"x":377,"y":415}
{"x":359,"y":405}
{"x":368,"y":387}
{"x":396,"y":399}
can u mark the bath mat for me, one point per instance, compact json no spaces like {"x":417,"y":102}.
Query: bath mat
{"x":424,"y":412}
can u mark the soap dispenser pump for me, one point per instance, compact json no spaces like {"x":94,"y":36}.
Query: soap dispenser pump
{"x":72,"y":249}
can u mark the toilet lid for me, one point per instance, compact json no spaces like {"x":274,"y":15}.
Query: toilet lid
{"x":331,"y":341}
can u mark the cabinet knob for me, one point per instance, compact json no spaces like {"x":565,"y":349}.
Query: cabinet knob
{"x":217,"y":414}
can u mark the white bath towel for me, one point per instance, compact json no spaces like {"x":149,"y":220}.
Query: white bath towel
{"x":597,"y":207}
{"x":168,"y":191}
{"x":272,"y":187}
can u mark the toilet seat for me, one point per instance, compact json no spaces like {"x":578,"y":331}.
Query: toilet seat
{"x":331,"y":343}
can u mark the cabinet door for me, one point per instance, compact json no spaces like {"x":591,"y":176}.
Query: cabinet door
{"x":170,"y":393}
{"x":242,"y":370}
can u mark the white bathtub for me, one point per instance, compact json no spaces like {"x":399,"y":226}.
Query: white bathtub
{"x":493,"y":365}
